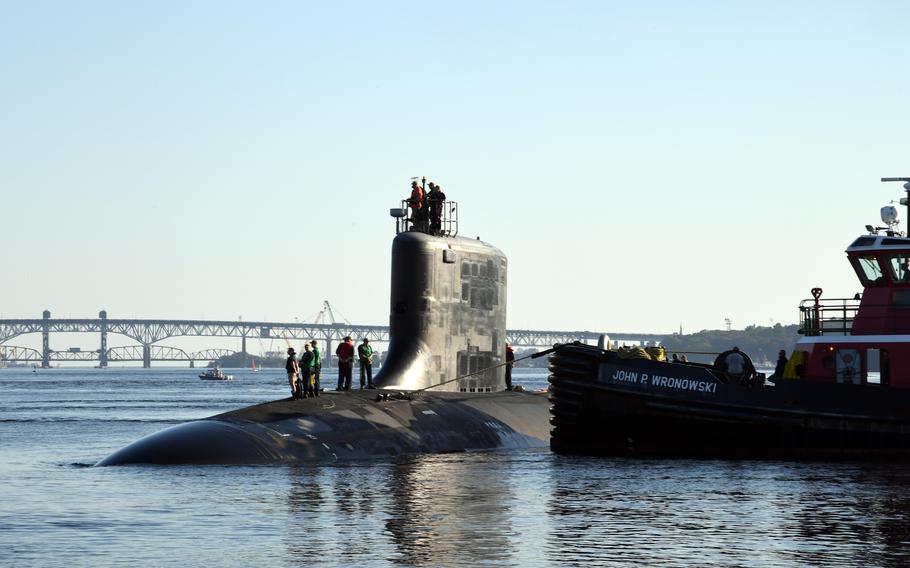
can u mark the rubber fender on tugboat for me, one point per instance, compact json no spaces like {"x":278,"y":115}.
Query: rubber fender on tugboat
{"x":565,"y":392}
{"x":572,"y":362}
{"x":562,"y":420}
{"x":563,"y":402}
{"x":578,"y":349}
{"x":573,"y":367}
{"x":572,"y":356}
{"x":567,"y":411}
{"x":568,"y":372}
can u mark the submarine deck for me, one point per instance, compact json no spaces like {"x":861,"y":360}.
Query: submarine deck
{"x":363,"y":402}
{"x":350,"y":425}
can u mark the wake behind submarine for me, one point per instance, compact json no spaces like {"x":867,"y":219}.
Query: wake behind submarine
{"x":440,"y":389}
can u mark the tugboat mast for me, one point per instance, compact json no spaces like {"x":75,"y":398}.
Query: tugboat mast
{"x":904,"y":200}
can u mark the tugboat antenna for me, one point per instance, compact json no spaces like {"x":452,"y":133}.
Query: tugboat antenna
{"x":904,"y":200}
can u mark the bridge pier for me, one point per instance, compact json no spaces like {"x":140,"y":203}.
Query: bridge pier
{"x":46,"y":340}
{"x":102,"y":355}
{"x":146,"y":356}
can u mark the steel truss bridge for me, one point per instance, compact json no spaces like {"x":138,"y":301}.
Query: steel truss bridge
{"x":148,"y":332}
{"x":117,"y":354}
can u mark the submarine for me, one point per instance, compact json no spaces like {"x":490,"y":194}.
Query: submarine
{"x":441,"y":388}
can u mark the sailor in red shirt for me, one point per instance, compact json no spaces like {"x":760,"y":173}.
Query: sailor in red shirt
{"x":345,"y":353}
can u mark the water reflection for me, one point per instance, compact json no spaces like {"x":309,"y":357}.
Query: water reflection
{"x":522,"y":508}
{"x":330,"y":509}
{"x":443,"y":507}
{"x":678,"y":513}
{"x":305,"y":500}
{"x":420,"y":510}
{"x":854,"y":513}
{"x":509,"y":509}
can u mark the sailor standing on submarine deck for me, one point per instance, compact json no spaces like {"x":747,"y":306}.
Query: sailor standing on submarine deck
{"x":345,"y":353}
{"x":510,"y":362}
{"x":365,"y":354}
{"x":416,"y":203}
{"x":306,"y":371}
{"x":317,"y":365}
{"x":293,"y":369}
{"x":435,"y":200}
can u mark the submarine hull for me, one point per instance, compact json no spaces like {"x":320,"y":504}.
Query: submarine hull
{"x":349,"y":426}
{"x":447,"y":332}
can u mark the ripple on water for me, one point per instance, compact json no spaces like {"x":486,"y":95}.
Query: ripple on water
{"x":501,"y":509}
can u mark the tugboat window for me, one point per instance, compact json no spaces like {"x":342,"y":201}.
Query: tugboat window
{"x":876,"y":359}
{"x":868,"y":270}
{"x":899,"y":267}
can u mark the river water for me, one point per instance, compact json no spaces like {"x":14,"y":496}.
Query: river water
{"x":527,"y":508}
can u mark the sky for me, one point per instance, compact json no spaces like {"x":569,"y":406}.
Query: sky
{"x":645,"y":166}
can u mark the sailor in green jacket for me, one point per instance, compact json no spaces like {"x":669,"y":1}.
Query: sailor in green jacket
{"x":317,"y":365}
{"x":365,"y":354}
{"x":306,"y":371}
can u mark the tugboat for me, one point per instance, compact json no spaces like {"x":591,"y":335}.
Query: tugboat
{"x":215,"y":374}
{"x":845,"y":391}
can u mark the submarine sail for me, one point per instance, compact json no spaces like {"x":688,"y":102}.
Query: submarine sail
{"x":447,"y":314}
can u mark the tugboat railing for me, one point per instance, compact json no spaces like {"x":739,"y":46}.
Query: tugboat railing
{"x":832,"y":316}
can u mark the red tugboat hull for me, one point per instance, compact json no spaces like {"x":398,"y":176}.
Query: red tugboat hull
{"x":604,"y":405}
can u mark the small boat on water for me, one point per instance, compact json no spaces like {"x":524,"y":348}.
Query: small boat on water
{"x":845,"y":391}
{"x":215,"y":374}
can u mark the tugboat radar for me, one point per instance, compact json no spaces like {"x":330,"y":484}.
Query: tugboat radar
{"x":890,"y":218}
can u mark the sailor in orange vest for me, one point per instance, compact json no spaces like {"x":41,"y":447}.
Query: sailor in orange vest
{"x":416,"y":203}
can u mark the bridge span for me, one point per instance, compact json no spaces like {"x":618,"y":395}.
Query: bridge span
{"x":148,"y":332}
